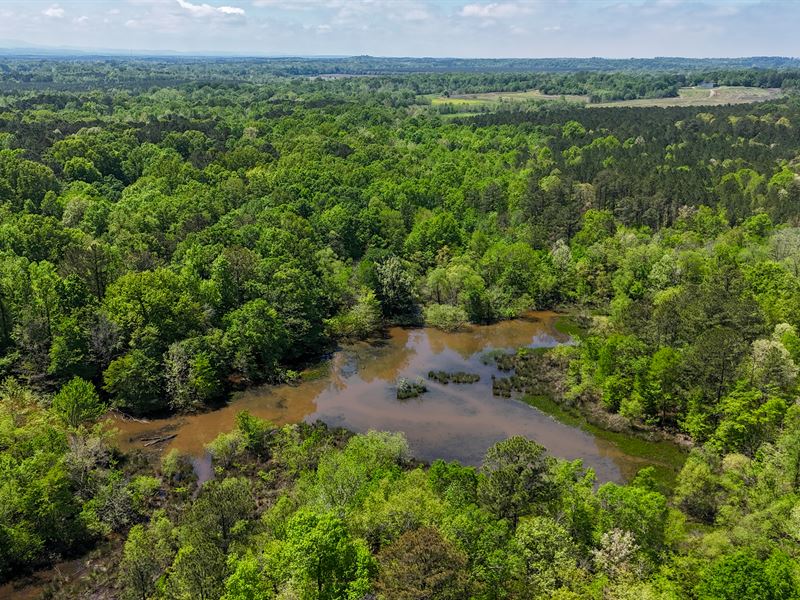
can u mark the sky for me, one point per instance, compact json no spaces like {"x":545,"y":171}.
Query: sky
{"x":453,"y":28}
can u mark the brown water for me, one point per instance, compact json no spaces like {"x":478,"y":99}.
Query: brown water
{"x":357,"y":390}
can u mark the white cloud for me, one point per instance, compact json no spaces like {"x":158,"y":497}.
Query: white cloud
{"x":290,"y":5}
{"x":54,"y":11}
{"x":82,"y":20}
{"x":416,"y":14}
{"x":495,"y":10}
{"x":206,"y":10}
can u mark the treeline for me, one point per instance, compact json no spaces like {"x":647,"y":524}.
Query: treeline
{"x":72,"y":66}
{"x":403,"y":79}
{"x":306,"y":512}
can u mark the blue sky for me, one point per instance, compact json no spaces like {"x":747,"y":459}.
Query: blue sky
{"x":469,"y":28}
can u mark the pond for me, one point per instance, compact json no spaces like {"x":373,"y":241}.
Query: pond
{"x":356,"y":389}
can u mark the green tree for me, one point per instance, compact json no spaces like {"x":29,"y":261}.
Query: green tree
{"x":134,"y":380}
{"x":421,"y":564}
{"x":197,"y":572}
{"x":361,"y":320}
{"x":77,"y":403}
{"x":145,"y":556}
{"x":395,"y":288}
{"x":220,"y":510}
{"x":322,"y":559}
{"x":639,"y":510}
{"x":255,"y":338}
{"x":514,"y":474}
{"x":544,"y":557}
{"x":743,"y":575}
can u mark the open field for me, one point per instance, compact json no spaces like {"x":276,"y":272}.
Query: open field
{"x":495,"y":97}
{"x":695,"y":96}
{"x":688,"y":96}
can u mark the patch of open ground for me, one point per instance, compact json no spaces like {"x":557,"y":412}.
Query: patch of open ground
{"x":696,"y":96}
{"x":688,"y":96}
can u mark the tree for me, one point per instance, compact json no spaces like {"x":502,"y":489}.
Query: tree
{"x":743,"y":575}
{"x":318,"y":559}
{"x":235,"y":273}
{"x":514,"y":474}
{"x":154,"y":307}
{"x":660,"y":383}
{"x":40,"y":512}
{"x":81,"y":169}
{"x":145,"y":556}
{"x":135,"y":382}
{"x":255,"y":338}
{"x":395,"y":288}
{"x":219,"y":509}
{"x":193,"y":371}
{"x":421,"y":565}
{"x":697,"y":488}
{"x":772,"y":366}
{"x":197,"y":572}
{"x":445,"y":317}
{"x":69,"y":350}
{"x":429,"y":236}
{"x":342,"y":477}
{"x":360,"y":321}
{"x":297,"y":294}
{"x":640,"y":511}
{"x":322,"y":560}
{"x":711,"y":364}
{"x":617,"y":553}
{"x":748,"y":419}
{"x":544,"y":556}
{"x":77,"y":402}
{"x":249,"y":581}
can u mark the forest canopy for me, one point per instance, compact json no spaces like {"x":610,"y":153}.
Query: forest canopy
{"x":186,"y":229}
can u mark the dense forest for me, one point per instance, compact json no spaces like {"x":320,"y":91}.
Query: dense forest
{"x":163,"y":245}
{"x":401,"y":80}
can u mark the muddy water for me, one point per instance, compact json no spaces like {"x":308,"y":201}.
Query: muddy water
{"x":357,"y":390}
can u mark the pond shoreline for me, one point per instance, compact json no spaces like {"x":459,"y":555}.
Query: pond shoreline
{"x":355,"y":389}
{"x":665,"y":455}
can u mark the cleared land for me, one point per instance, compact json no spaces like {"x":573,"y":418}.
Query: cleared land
{"x":497,"y":97}
{"x":695,"y":96}
{"x":688,"y":96}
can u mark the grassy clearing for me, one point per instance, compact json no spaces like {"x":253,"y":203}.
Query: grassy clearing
{"x":665,"y":457}
{"x":457,"y":115}
{"x":500,"y":97}
{"x":496,"y":100}
{"x":689,"y":96}
{"x":694,"y":96}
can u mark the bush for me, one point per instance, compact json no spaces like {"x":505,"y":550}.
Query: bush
{"x":227,"y":448}
{"x":361,"y":321}
{"x":445,"y":317}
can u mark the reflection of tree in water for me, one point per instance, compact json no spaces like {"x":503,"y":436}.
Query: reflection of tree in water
{"x":504,"y":334}
{"x":385,"y":362}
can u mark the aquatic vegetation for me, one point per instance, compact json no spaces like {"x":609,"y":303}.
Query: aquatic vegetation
{"x":444,"y":377}
{"x":407,"y":389}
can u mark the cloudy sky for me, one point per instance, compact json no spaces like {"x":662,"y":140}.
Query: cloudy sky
{"x":468,"y":28}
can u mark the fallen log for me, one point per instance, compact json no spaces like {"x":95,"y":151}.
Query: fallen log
{"x":165,"y":438}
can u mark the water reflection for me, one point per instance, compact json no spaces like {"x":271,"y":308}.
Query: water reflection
{"x":453,"y":421}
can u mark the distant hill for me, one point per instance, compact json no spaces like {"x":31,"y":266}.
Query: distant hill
{"x":377,"y":65}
